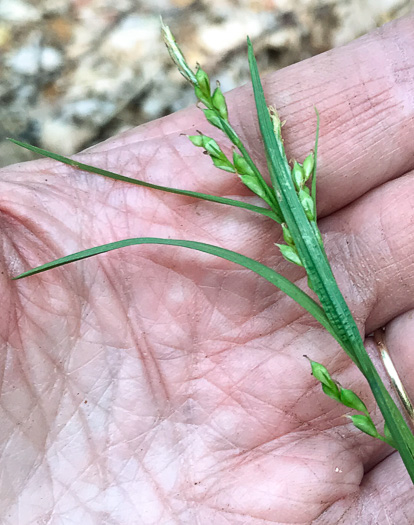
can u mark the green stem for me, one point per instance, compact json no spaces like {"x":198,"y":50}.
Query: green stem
{"x":321,"y":276}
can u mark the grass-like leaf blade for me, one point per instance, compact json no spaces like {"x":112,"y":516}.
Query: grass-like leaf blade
{"x":315,"y":165}
{"x":123,"y":178}
{"x":264,"y":271}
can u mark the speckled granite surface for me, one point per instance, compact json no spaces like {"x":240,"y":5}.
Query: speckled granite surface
{"x":75,"y":72}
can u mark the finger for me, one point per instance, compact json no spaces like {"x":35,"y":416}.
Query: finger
{"x":363,"y":92}
{"x":369,"y":244}
{"x":384,"y":496}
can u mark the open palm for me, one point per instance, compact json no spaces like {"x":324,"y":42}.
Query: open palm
{"x":157,"y":385}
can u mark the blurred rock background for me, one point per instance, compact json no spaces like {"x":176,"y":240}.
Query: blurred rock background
{"x":74,"y":72}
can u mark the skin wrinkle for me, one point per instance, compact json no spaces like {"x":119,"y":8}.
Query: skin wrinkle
{"x":296,"y":422}
{"x":223,"y":438}
{"x":158,"y":489}
{"x":231,"y":395}
{"x":21,"y":223}
{"x":362,"y":285}
{"x":263,"y":334}
{"x":303,"y":462}
{"x":283,"y":411}
{"x":180,"y":276}
{"x":147,"y":359}
{"x":357,"y":506}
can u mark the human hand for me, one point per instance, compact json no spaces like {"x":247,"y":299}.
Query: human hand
{"x":157,"y":385}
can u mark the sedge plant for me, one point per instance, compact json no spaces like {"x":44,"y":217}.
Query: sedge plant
{"x":290,"y":201}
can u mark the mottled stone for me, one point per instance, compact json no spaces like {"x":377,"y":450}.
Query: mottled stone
{"x":17,"y":11}
{"x":73,"y":73}
{"x":32,"y":60}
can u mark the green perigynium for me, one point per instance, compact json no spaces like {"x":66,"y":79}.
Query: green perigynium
{"x":213,"y":150}
{"x":298,"y":175}
{"x":287,"y":236}
{"x":308,"y":165}
{"x":289,"y":202}
{"x":214,"y":118}
{"x":307,"y":204}
{"x":202,"y":88}
{"x":203,"y":83}
{"x":219,"y":102}
{"x":241,"y":165}
{"x":351,"y":400}
{"x":365,"y":424}
{"x":255,"y":186}
{"x":290,"y":253}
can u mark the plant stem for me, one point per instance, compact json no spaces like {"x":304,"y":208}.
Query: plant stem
{"x":321,"y":276}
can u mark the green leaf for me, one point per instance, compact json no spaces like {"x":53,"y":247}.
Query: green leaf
{"x":116,"y":176}
{"x":315,"y":156}
{"x":270,"y":275}
{"x":321,"y":276}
